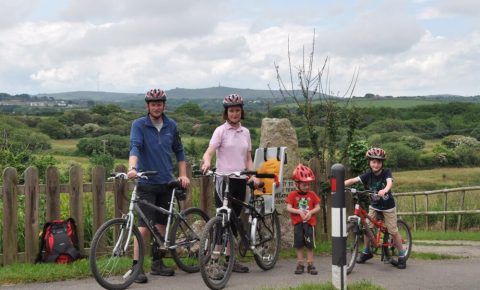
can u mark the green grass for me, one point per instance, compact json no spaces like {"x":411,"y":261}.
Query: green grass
{"x":438,"y":178}
{"x":391,"y":103}
{"x":446,"y":236}
{"x":359,"y":285}
{"x":434,"y":256}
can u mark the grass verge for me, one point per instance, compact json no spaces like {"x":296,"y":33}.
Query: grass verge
{"x":446,"y":236}
{"x":434,"y":256}
{"x":359,"y":285}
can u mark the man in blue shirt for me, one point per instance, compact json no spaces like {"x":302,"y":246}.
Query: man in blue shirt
{"x":153,"y":139}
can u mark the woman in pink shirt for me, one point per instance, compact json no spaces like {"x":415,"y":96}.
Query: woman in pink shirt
{"x":233,"y":147}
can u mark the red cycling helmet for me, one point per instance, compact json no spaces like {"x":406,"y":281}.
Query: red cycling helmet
{"x":232,"y":100}
{"x":376,"y":153}
{"x":303,"y":174}
{"x":155,"y":95}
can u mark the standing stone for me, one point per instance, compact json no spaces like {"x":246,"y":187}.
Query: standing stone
{"x":277,"y":133}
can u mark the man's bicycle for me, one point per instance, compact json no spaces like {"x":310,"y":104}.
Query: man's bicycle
{"x":217,"y":242}
{"x":111,"y":253}
{"x":378,"y":236}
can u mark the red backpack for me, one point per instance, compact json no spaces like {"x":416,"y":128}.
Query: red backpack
{"x":59,"y":242}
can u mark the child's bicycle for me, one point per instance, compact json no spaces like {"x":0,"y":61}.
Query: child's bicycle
{"x":111,"y":253}
{"x":217,"y":241}
{"x":378,"y":236}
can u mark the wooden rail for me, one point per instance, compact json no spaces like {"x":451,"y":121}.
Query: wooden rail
{"x":426,"y":194}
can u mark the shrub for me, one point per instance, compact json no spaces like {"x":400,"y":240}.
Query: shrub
{"x":356,"y":156}
{"x":117,"y":146}
{"x":401,"y":156}
{"x":413,"y":142}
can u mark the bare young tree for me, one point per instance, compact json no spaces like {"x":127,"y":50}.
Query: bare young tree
{"x":306,"y":84}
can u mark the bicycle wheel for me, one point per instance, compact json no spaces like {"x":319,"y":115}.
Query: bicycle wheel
{"x":406,"y":235}
{"x":267,"y":235}
{"x":352,"y":245}
{"x":111,"y":255}
{"x":216,"y":243}
{"x":185,"y":237}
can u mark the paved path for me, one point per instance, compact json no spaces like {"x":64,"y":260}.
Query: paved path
{"x":420,"y":274}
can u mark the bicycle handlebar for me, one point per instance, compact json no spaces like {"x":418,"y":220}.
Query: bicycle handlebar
{"x":373,"y":194}
{"x":235,"y":173}
{"x":123,"y":175}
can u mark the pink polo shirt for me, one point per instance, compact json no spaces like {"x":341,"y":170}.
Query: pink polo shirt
{"x":232,"y":145}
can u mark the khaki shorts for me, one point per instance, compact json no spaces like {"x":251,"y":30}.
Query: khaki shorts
{"x":390,"y":219}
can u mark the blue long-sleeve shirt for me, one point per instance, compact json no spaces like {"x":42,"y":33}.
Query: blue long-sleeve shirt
{"x":154,"y":149}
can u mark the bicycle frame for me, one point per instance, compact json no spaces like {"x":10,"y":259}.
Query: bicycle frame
{"x":361,"y":215}
{"x":163,"y":241}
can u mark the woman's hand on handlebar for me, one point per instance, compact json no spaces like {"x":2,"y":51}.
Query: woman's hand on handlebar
{"x":205,"y":167}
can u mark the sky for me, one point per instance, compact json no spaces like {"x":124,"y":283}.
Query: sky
{"x":399,"y":48}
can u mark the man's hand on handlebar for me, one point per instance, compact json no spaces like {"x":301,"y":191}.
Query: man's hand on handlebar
{"x":185,"y":181}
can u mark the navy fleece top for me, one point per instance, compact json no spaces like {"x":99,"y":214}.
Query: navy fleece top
{"x":154,"y":149}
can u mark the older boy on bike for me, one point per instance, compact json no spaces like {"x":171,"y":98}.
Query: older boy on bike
{"x":380,"y":179}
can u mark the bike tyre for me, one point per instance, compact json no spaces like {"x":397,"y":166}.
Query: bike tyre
{"x":353,"y":239}
{"x":406,"y":234}
{"x":106,"y":267}
{"x":276,"y":239}
{"x":213,"y":230}
{"x":185,"y":236}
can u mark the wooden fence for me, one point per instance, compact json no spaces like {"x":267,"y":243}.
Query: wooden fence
{"x":426,"y":212}
{"x":52,"y":189}
{"x":31,"y":190}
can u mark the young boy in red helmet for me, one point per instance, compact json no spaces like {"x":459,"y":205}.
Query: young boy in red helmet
{"x":303,"y":204}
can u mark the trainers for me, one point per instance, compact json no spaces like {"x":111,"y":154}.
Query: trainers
{"x":364,"y":257}
{"x":239,"y":268}
{"x":300,"y":269}
{"x":311,"y":269}
{"x":141,"y":278}
{"x":402,"y":263}
{"x":158,"y":268}
{"x":215,"y":271}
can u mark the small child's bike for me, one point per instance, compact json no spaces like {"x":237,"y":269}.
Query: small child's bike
{"x":378,"y":236}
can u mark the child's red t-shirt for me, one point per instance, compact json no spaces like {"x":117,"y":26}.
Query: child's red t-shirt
{"x":305,"y":202}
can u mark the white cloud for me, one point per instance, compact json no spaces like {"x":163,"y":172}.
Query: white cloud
{"x":133,"y":45}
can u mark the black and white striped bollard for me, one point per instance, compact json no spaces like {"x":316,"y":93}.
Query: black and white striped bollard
{"x":339,"y":228}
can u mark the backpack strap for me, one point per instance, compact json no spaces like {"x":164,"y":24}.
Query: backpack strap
{"x":41,"y":245}
{"x":265,"y":153}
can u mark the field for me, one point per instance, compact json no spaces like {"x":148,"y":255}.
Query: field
{"x":438,"y":178}
{"x":392,"y":103}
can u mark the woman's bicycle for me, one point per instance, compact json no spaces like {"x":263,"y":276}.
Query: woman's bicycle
{"x":111,"y":253}
{"x":378,"y":236}
{"x":217,"y":242}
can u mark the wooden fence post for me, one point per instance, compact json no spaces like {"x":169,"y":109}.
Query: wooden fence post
{"x":10,"y":220}
{"x":322,"y":226}
{"x":120,"y":198}
{"x":206,"y":194}
{"x":98,"y":196}
{"x":188,"y":202}
{"x":32,"y":201}
{"x":445,"y":216}
{"x":415,"y":211}
{"x":462,"y":205}
{"x":76,"y":203}
{"x":426,"y":209}
{"x":52,"y":191}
